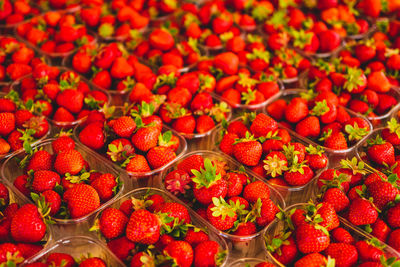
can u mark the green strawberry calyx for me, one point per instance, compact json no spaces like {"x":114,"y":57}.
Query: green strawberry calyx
{"x":206,"y":177}
{"x":290,"y":153}
{"x":275,"y":166}
{"x":336,"y":182}
{"x":165,"y":79}
{"x":219,"y":111}
{"x":260,"y":12}
{"x":223,"y":209}
{"x":178,"y":184}
{"x":377,"y":141}
{"x":175,"y":110}
{"x":247,"y":138}
{"x":320,"y":108}
{"x":165,"y":139}
{"x":354,"y":78}
{"x":143,"y":110}
{"x":106,"y":30}
{"x":394,"y":127}
{"x":301,"y":38}
{"x":354,"y":165}
{"x":315,"y":150}
{"x":354,"y":132}
{"x":43,"y":207}
{"x":259,"y":54}
{"x":246,"y":81}
{"x":275,"y":243}
{"x":249,"y":96}
{"x":390,"y":262}
{"x":119,"y":152}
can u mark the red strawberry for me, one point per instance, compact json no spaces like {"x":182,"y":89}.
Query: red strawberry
{"x":71,"y":99}
{"x":122,"y":247}
{"x":256,"y":190}
{"x":7,"y":123}
{"x":344,"y":254}
{"x":63,"y":143}
{"x":207,"y":253}
{"x":380,"y":151}
{"x":92,"y":136}
{"x":310,"y":239}
{"x":82,"y":199}
{"x":138,"y":164}
{"x":312,"y":260}
{"x":262,"y":125}
{"x":362,"y":212}
{"x":112,"y":223}
{"x":181,"y":252}
{"x":105,"y":185}
{"x":40,"y":160}
{"x":142,"y":221}
{"x":70,"y":161}
{"x":221,"y":214}
{"x":58,"y":259}
{"x":27,"y":225}
{"x":45,"y":180}
{"x":247,"y":151}
{"x":309,"y":127}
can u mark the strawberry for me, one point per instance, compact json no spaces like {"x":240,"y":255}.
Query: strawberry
{"x":82,"y":199}
{"x":142,"y":221}
{"x":105,"y":186}
{"x":311,"y":238}
{"x":256,"y":190}
{"x":336,"y":141}
{"x":344,"y":254}
{"x":92,"y":136}
{"x":45,"y":180}
{"x":112,"y":223}
{"x":204,"y":124}
{"x":228,"y":62}
{"x":27,"y":225}
{"x":71,"y":99}
{"x":176,"y":211}
{"x":362,"y":212}
{"x":95,"y":261}
{"x":70,"y":161}
{"x":262,"y":125}
{"x":122,"y":247}
{"x":208,"y":183}
{"x":161,"y":39}
{"x":369,"y":250}
{"x":185,"y":124}
{"x":296,"y":110}
{"x":58,"y":259}
{"x":138,"y":164}
{"x":146,"y":137}
{"x":207,"y":253}
{"x":341,"y":235}
{"x":181,"y":252}
{"x":308,"y":127}
{"x":380,"y":151}
{"x":193,"y":162}
{"x":298,"y":174}
{"x":124,"y":126}
{"x":53,"y":200}
{"x":63,"y":143}
{"x":312,"y":259}
{"x":9,"y":250}
{"x":40,"y":160}
{"x":7,"y":123}
{"x":247,"y":150}
{"x":221,"y":214}
{"x":226,"y":144}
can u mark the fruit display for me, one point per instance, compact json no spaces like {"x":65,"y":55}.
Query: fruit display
{"x":20,"y":127}
{"x":132,"y":138}
{"x":178,"y":132}
{"x":364,"y":196}
{"x":309,"y":234}
{"x":59,"y":94}
{"x":319,"y":118}
{"x":173,"y":233}
{"x":237,"y":205}
{"x":55,"y":33}
{"x":184,"y":102}
{"x":14,"y":12}
{"x":78,"y":251}
{"x":17,"y":59}
{"x":67,"y":182}
{"x":379,"y":150}
{"x":268,"y":150}
{"x":24,"y":231}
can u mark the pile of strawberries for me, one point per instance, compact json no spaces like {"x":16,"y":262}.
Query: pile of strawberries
{"x":366,"y":197}
{"x":320,"y":118}
{"x":132,"y":138}
{"x":55,"y":33}
{"x":22,"y":229}
{"x":14,"y":12}
{"x":314,"y":235}
{"x":148,"y":228}
{"x":380,"y":150}
{"x":64,"y":259}
{"x":225,"y":196}
{"x":17,"y":59}
{"x":62,"y":182}
{"x":59,"y":94}
{"x":106,"y":66}
{"x":184,"y":102}
{"x":258,"y":142}
{"x":19,"y":126}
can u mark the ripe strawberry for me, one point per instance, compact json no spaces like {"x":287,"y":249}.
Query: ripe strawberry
{"x":394,"y":239}
{"x":138,"y":164}
{"x":256,"y":190}
{"x":52,"y":199}
{"x":7,"y":123}
{"x":228,"y":62}
{"x":112,"y":223}
{"x":185,"y":124}
{"x":161,"y":39}
{"x":181,"y":252}
{"x":337,"y":198}
{"x":57,"y":259}
{"x":221,"y":214}
{"x":146,"y":138}
{"x":45,"y":180}
{"x":63,"y":143}
{"x":369,"y":250}
{"x":40,"y":160}
{"x":193,"y":162}
{"x":296,"y":110}
{"x":27,"y":225}
{"x":9,"y":250}
{"x":312,"y":259}
{"x":310,"y":239}
{"x":28,"y":250}
{"x":341,"y":235}
{"x":207,"y":254}
{"x":95,"y":261}
{"x":382,"y":193}
{"x":298,"y":175}
{"x":308,"y":127}
{"x":105,"y":185}
{"x":63,"y":115}
{"x":176,"y":211}
{"x":71,"y":99}
{"x":262,"y":125}
{"x":226,"y":144}
{"x":122,"y":247}
{"x":344,"y":254}
{"x":336,"y":141}
{"x":267,"y":213}
{"x":362,"y":212}
{"x":70,"y":161}
{"x":92,"y":136}
{"x":142,"y":221}
{"x":380,"y":151}
{"x":82,"y":199}
{"x":329,"y":216}
{"x":204,"y":124}
{"x":247,"y":151}
{"x":124,"y":126}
